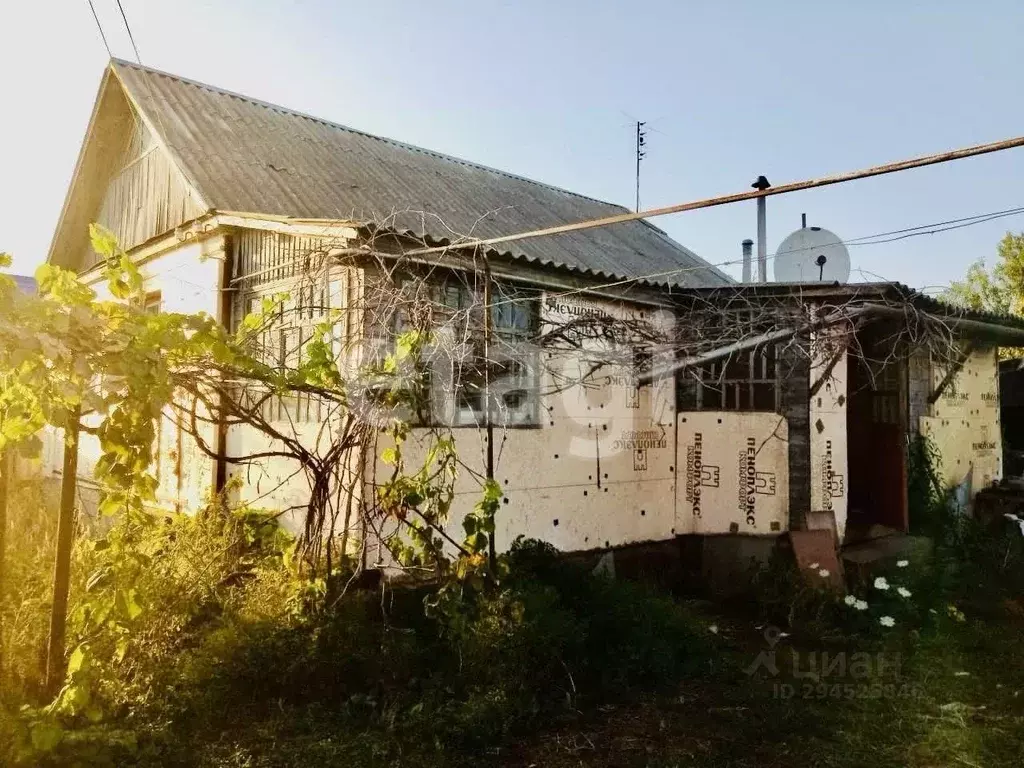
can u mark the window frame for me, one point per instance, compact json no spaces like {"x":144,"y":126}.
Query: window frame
{"x":733,"y":383}
{"x":308,"y":303}
{"x":454,"y":380}
{"x":515,"y":315}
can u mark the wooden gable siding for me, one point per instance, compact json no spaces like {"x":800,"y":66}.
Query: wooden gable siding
{"x":146,"y":195}
{"x":123,"y":180}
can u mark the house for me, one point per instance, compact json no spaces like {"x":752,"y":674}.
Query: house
{"x":746,"y":410}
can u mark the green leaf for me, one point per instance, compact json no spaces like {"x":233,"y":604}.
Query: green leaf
{"x":103,"y":240}
{"x":78,"y":659}
{"x":75,"y":698}
{"x":492,"y":491}
{"x":122,"y":648}
{"x":132,"y":604}
{"x":111,"y":505}
{"x":46,"y":735}
{"x":389,"y":456}
{"x":478,"y":541}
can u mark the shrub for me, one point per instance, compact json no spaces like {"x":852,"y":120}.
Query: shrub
{"x":223,"y":653}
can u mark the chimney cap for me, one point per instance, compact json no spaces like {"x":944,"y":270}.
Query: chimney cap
{"x":748,"y":241}
{"x":761,"y":183}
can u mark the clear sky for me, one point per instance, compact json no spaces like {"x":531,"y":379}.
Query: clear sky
{"x":549,"y":89}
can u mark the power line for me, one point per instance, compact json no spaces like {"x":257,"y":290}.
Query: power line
{"x":99,"y":26}
{"x":621,"y":218}
{"x":939,"y":228}
{"x":900,"y":234}
{"x":129,"y":29}
{"x":993,"y":214}
{"x":918,"y":231}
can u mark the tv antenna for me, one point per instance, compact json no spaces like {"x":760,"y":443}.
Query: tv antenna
{"x":641,"y":136}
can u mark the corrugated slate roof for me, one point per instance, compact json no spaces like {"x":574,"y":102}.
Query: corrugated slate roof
{"x":247,"y":155}
{"x":26,"y":284}
{"x":888,"y":290}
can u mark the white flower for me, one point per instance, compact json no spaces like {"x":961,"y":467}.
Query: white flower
{"x":903,"y":592}
{"x":850,"y":599}
{"x":713,"y":629}
{"x":902,"y":563}
{"x":813,"y":566}
{"x":823,"y":573}
{"x":861,"y":605}
{"x":887,"y":621}
{"x":881,"y":583}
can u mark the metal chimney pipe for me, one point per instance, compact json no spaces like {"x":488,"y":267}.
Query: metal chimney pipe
{"x":762,"y":232}
{"x":762,"y":245}
{"x":748,"y":251}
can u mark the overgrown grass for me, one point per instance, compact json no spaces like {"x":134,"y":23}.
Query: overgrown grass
{"x":233,"y":662}
{"x":25,"y":597}
{"x":226,"y":665}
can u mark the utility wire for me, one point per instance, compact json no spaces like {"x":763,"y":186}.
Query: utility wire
{"x":129,"y":29}
{"x":925,"y":229}
{"x":99,"y":26}
{"x":938,"y":228}
{"x":878,"y":238}
{"x":621,"y":218}
{"x":993,"y":214}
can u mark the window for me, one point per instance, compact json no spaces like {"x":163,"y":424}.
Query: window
{"x":510,"y":367}
{"x":151,"y":303}
{"x":459,"y":385}
{"x":455,"y":374}
{"x":281,"y":343}
{"x":744,"y":381}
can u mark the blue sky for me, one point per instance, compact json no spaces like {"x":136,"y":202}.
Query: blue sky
{"x":549,"y":90}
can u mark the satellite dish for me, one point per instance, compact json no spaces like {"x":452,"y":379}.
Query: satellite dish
{"x":810,"y":255}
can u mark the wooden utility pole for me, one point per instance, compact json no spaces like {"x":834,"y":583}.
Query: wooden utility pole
{"x":6,"y":463}
{"x":62,"y":562}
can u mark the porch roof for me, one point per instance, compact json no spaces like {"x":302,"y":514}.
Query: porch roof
{"x":894,"y":297}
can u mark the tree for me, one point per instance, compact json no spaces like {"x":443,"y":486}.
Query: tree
{"x":1000,"y":289}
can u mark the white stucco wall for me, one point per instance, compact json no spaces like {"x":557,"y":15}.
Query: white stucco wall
{"x":188,"y":277}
